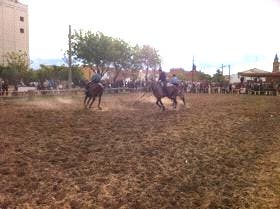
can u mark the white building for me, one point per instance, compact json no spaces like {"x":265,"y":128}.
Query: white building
{"x":14,"y":33}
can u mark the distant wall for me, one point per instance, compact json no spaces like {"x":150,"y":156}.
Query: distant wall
{"x":14,"y":28}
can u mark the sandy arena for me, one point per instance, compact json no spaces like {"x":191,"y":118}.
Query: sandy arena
{"x":220,"y":151}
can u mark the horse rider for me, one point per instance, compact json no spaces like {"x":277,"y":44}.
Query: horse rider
{"x":174,"y":80}
{"x":163,"y":81}
{"x":96,"y":78}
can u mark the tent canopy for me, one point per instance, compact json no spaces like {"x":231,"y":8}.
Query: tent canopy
{"x":259,"y":73}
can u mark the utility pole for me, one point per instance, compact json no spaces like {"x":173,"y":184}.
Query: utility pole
{"x":70,"y":59}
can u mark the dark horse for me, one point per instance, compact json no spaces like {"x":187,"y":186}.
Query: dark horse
{"x":172,"y":93}
{"x":92,"y":91}
{"x":5,"y":88}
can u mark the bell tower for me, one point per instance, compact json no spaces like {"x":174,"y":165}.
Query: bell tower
{"x":276,"y":64}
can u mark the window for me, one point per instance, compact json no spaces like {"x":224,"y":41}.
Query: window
{"x":21,"y":30}
{"x":21,"y":19}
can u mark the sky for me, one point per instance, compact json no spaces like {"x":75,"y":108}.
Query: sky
{"x":241,"y":33}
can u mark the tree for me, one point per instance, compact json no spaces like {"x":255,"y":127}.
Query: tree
{"x":218,"y":77}
{"x":16,"y":67}
{"x":58,"y":73}
{"x":9,"y":74}
{"x":149,"y":58}
{"x":97,"y":50}
{"x":17,"y":60}
{"x":204,"y":77}
{"x":121,"y":54}
{"x":28,"y":76}
{"x":135,"y":62}
{"x":93,"y":49}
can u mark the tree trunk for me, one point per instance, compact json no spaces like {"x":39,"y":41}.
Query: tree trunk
{"x":146,"y":75}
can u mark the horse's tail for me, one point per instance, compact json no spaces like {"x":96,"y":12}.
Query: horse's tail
{"x":182,"y":97}
{"x":181,"y":94}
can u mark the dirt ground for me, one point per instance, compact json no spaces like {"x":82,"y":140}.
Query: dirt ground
{"x":217,"y":152}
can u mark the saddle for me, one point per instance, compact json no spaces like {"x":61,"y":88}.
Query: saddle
{"x":172,"y":90}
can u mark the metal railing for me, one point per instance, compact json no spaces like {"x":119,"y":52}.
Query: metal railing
{"x":64,"y":92}
{"x":80,"y":91}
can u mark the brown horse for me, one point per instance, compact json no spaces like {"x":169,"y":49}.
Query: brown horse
{"x":92,"y":91}
{"x":172,"y":93}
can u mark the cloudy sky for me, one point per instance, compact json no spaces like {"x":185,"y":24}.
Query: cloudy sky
{"x":240,"y":33}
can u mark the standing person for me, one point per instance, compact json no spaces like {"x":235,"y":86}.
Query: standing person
{"x":162,"y":79}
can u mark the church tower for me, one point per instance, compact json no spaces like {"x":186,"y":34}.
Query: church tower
{"x":276,"y":64}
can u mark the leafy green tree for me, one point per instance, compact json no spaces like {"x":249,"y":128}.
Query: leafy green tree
{"x":218,"y":77}
{"x":135,"y":58}
{"x":93,"y":49}
{"x":204,"y":77}
{"x":10,"y":74}
{"x":28,"y":76}
{"x":150,"y":59}
{"x":135,"y":63}
{"x":104,"y":52}
{"x":58,"y":73}
{"x":18,"y":61}
{"x":121,"y":54}
{"x":15,"y":68}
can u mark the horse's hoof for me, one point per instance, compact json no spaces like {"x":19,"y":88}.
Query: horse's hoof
{"x":100,"y":108}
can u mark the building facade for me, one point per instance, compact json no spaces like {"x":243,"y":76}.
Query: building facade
{"x":14,"y":28}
